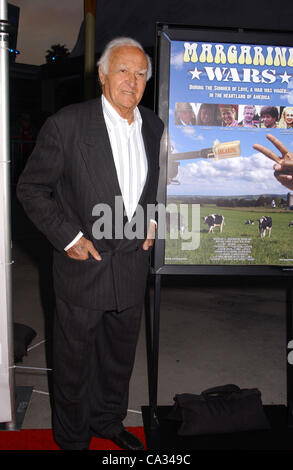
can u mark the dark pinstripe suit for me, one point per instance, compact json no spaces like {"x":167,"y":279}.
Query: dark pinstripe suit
{"x":70,"y":171}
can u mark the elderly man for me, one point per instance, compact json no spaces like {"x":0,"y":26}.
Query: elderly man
{"x":86,"y":155}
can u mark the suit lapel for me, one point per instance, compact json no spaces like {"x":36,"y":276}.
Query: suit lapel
{"x":97,"y":153}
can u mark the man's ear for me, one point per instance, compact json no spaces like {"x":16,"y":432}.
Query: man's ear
{"x":101,"y":76}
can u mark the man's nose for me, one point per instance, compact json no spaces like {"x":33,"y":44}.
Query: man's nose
{"x":132,"y":79}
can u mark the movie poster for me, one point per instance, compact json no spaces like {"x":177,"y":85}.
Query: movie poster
{"x":223,"y":99}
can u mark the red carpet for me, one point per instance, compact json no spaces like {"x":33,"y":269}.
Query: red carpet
{"x":42,"y":439}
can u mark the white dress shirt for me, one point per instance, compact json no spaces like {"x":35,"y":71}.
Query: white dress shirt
{"x":129,"y":154}
{"x":129,"y":157}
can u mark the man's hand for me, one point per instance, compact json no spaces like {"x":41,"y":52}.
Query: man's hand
{"x":284,"y":164}
{"x":81,"y":250}
{"x":149,"y":241}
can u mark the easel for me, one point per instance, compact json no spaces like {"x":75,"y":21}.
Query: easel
{"x":280,"y":415}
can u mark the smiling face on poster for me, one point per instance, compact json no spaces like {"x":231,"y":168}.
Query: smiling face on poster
{"x":238,"y":93}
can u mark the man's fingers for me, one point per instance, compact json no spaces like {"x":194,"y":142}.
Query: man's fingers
{"x":286,"y":166}
{"x":77,"y":253}
{"x":283,"y":176}
{"x":267,"y":152}
{"x":277,"y":143}
{"x":147,"y":244}
{"x":285,"y":180}
{"x":81,"y":250}
{"x":95,"y":254}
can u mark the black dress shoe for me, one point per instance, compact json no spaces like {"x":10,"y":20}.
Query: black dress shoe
{"x":127,"y":441}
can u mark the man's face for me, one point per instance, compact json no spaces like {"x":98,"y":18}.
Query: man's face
{"x":228,"y":115}
{"x":268,"y":120}
{"x":125,"y":81}
{"x":248,"y":114}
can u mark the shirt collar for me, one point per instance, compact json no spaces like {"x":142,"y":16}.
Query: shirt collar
{"x":114,"y":117}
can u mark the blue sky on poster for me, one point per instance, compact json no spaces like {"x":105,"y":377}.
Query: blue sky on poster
{"x":250,"y":173}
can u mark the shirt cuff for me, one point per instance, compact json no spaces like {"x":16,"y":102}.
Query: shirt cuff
{"x":78,"y":236}
{"x":154,"y":221}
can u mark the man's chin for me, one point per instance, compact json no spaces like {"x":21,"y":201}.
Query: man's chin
{"x":128,"y":106}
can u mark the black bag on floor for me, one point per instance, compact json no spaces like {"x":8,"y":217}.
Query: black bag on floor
{"x":222,"y":409}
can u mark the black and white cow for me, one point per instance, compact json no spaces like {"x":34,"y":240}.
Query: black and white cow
{"x":214,"y":220}
{"x":175,"y":222}
{"x":249,"y":222}
{"x":265,"y":225}
{"x":290,"y":224}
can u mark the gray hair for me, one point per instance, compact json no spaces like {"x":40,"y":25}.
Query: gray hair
{"x":249,"y":106}
{"x":103,"y":62}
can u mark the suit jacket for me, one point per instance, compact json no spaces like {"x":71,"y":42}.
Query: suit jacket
{"x":70,"y":171}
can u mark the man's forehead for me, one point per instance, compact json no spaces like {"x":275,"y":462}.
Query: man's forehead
{"x":127,"y":55}
{"x":128,"y":65}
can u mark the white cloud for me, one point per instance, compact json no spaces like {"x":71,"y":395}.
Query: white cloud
{"x":177,"y":60}
{"x":289,"y":95}
{"x":190,"y":132}
{"x":233,"y":176}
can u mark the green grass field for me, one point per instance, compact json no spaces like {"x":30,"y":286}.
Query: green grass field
{"x":238,"y":243}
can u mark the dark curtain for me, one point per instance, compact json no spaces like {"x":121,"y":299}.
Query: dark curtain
{"x":137,"y":18}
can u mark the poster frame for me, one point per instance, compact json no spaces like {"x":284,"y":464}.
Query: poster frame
{"x":164,"y":33}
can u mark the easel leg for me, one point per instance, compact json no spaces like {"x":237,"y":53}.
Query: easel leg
{"x":289,"y":355}
{"x":152,"y":333}
{"x":149,"y":336}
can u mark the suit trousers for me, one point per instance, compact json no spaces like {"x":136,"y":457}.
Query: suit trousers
{"x":93,"y":358}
